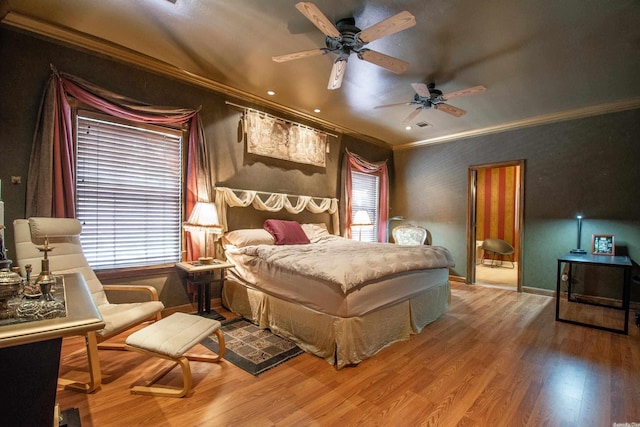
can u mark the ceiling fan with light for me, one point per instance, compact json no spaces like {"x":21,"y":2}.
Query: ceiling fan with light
{"x":427,"y":96}
{"x":345,"y":38}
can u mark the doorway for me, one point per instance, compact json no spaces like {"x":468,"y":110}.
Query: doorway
{"x":494,"y":210}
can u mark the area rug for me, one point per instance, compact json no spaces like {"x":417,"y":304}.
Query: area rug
{"x":253,"y":349}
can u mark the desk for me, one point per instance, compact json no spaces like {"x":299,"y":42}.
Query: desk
{"x":608,"y":315}
{"x":30,"y":355}
{"x":202,"y":276}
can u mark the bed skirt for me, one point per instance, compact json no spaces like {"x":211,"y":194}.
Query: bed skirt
{"x":338,"y":340}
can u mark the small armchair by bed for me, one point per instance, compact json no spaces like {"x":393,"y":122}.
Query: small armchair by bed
{"x":409,"y":234}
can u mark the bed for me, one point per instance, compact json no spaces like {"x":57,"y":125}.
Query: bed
{"x":339,"y":299}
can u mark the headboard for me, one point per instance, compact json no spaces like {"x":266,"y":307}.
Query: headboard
{"x":274,"y":202}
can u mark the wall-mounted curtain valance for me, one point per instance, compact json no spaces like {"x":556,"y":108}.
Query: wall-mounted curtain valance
{"x":353,"y":162}
{"x":50,"y":189}
{"x":274,"y":137}
{"x":51,"y":180}
{"x":274,"y":202}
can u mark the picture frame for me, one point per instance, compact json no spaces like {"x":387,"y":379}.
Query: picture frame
{"x":603,"y":244}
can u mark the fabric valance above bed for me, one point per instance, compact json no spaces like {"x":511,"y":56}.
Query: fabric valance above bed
{"x":274,"y":202}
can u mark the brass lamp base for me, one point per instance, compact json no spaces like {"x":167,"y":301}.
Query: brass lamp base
{"x":205,"y":260}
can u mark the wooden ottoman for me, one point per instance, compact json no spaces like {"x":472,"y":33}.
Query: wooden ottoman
{"x":170,"y":338}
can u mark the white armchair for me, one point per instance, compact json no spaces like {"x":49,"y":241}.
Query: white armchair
{"x":410,"y":234}
{"x":67,"y":257}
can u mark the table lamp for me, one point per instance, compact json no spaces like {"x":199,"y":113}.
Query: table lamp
{"x":579,"y":251}
{"x":204,"y":217}
{"x":361,"y":219}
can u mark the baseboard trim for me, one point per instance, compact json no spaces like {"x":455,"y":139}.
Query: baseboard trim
{"x":459,"y":279}
{"x":525,"y":289}
{"x":539,"y":291}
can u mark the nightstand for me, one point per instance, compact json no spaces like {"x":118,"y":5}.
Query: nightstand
{"x":612,"y":316}
{"x":202,"y":276}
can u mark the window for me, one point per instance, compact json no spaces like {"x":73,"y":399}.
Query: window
{"x":129,"y":192}
{"x":364,"y":196}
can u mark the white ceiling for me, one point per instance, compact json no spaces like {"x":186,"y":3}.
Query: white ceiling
{"x":540,"y":60}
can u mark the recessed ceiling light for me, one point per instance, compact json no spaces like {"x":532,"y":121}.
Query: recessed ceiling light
{"x":271,"y":92}
{"x":408,"y":128}
{"x":316,"y":110}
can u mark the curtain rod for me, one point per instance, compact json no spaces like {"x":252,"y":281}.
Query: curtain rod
{"x":244,"y":108}
{"x":269,"y":193}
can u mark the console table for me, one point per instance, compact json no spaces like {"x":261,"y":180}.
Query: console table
{"x":30,"y":355}
{"x":622,"y":262}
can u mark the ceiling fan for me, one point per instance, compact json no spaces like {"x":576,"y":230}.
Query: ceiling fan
{"x":427,"y":96}
{"x":345,"y":38}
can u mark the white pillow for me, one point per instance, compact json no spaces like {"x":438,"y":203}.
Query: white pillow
{"x":248,"y":237}
{"x":315,"y":230}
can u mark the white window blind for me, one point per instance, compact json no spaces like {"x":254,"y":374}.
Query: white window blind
{"x":365,"y":196}
{"x":128,"y":190}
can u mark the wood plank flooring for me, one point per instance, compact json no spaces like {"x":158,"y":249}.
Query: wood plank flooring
{"x":496,"y":358}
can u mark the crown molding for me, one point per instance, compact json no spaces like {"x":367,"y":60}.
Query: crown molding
{"x":594,"y":110}
{"x":115,"y":51}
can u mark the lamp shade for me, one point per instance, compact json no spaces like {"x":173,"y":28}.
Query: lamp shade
{"x":204,"y":216}
{"x":361,"y":218}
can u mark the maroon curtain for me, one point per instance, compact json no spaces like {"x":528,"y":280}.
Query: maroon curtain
{"x":51,"y":182}
{"x":353,"y":162}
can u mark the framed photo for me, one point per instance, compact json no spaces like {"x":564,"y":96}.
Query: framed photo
{"x":603,"y":244}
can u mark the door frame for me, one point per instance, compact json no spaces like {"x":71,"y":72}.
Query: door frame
{"x":472,"y":176}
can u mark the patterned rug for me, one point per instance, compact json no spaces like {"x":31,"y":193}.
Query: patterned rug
{"x":253,"y":349}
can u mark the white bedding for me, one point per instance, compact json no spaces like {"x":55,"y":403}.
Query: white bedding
{"x":343,"y":262}
{"x":316,"y":275}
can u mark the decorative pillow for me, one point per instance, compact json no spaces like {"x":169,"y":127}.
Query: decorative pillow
{"x":248,"y":237}
{"x":286,"y":232}
{"x":313,"y":231}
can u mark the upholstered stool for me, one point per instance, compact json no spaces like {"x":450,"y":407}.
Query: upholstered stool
{"x":170,"y":338}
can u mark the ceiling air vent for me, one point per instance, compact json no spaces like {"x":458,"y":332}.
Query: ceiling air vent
{"x":423,"y":124}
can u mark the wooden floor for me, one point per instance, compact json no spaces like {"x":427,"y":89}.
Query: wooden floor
{"x":496,"y":358}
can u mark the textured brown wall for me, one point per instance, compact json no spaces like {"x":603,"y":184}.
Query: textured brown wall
{"x":25,"y":68}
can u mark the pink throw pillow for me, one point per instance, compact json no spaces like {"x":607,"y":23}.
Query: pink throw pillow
{"x":286,"y":232}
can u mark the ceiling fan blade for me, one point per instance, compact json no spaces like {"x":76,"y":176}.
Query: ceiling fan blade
{"x":412,"y":115}
{"x":318,"y":18}
{"x":399,"y":22}
{"x":298,"y":55}
{"x":465,"y":92}
{"x":449,"y":109}
{"x":390,"y":63}
{"x":337,"y":73}
{"x":393,"y":105}
{"x":421,"y":89}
